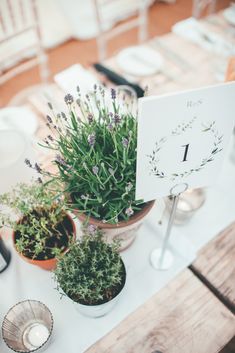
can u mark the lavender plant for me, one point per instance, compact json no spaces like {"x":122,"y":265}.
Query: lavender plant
{"x":92,"y":271}
{"x":95,"y":155}
{"x":42,"y":228}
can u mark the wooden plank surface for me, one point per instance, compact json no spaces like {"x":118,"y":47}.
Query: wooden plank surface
{"x":184,"y":317}
{"x":215,"y":266}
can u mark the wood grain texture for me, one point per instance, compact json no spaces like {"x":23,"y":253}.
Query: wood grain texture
{"x":215,"y":266}
{"x":184,"y":317}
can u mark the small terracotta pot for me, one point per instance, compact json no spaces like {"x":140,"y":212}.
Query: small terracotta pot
{"x":124,"y":231}
{"x":49,"y":264}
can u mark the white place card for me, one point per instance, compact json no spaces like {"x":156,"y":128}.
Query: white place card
{"x":182,"y":139}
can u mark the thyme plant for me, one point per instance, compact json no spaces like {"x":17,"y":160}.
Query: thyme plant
{"x":92,"y":271}
{"x":95,"y":155}
{"x":38,"y":219}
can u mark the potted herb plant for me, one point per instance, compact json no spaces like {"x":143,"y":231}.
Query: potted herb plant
{"x":95,"y":154}
{"x":41,"y":227}
{"x":91,"y":273}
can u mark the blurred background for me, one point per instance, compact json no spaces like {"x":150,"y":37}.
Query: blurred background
{"x":68,"y":32}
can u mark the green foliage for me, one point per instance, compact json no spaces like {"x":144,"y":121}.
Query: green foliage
{"x":95,"y":146}
{"x":37,"y":218}
{"x":92,"y":271}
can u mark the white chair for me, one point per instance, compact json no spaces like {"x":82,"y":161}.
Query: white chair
{"x":20,"y":40}
{"x":139,"y":8}
{"x":200,"y":5}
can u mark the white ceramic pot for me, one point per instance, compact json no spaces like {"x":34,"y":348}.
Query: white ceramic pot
{"x":96,"y":311}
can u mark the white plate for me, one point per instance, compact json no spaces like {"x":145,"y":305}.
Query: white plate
{"x":139,"y":61}
{"x":229,"y":15}
{"x":18,"y":118}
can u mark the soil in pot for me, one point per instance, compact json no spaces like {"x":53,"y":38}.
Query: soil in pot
{"x":59,"y":239}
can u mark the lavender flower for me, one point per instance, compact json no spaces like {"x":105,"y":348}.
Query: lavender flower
{"x":95,"y":169}
{"x":64,"y":116}
{"x":110,"y":126}
{"x":50,"y":138}
{"x":113,"y":93}
{"x":78,"y":89}
{"x":90,"y":118}
{"x":129,"y":212}
{"x":60,"y":160}
{"x":125,"y":142}
{"x":88,"y":97}
{"x":49,"y":119}
{"x":28,"y":163}
{"x":116,"y":119}
{"x":68,"y":98}
{"x":92,"y":229}
{"x":39,"y":180}
{"x":91,"y":139}
{"x":37,"y":168}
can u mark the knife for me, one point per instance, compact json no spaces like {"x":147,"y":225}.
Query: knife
{"x":117,"y":79}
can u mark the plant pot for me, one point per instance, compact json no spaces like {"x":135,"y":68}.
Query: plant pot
{"x":124,"y":231}
{"x":103,"y":309}
{"x":49,"y":264}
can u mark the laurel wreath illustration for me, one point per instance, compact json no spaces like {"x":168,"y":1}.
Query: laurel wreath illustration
{"x":180,"y":129}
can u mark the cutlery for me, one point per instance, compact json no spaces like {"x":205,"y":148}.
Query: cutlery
{"x":118,"y":79}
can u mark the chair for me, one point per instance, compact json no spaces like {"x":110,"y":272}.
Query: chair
{"x":139,"y":7}
{"x":20,"y":40}
{"x":200,"y":5}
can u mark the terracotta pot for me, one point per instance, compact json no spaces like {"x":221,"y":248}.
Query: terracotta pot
{"x":49,"y":264}
{"x":124,"y":231}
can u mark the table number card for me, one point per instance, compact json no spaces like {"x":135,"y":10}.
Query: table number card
{"x":182,"y":139}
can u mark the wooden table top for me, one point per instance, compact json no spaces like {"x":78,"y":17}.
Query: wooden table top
{"x":187,"y":315}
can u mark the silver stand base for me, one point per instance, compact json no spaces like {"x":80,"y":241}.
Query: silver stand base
{"x":161,"y":264}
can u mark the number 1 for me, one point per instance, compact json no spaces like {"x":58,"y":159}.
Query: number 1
{"x":185,"y":152}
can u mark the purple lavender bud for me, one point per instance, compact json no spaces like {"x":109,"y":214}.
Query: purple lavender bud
{"x":68,"y":98}
{"x":49,"y":119}
{"x":95,"y":169}
{"x":28,"y":163}
{"x":64,"y":116}
{"x":110,"y":126}
{"x":37,"y":168}
{"x":129,"y":212}
{"x":95,"y":87}
{"x":50,"y":105}
{"x":90,"y":118}
{"x":39,"y":180}
{"x":78,"y":101}
{"x":91,"y":139}
{"x":125,"y":142}
{"x":45,"y":140}
{"x":116,"y":119}
{"x":60,"y":160}
{"x":87,"y":97}
{"x":110,"y":114}
{"x":92,"y":229}
{"x":113,"y":93}
{"x":78,"y":89}
{"x":50,"y":138}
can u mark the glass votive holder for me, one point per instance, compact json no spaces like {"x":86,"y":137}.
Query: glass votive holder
{"x":27,"y":327}
{"x":189,"y":202}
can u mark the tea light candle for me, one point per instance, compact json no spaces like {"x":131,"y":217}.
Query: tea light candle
{"x":37,"y":335}
{"x":189,"y":201}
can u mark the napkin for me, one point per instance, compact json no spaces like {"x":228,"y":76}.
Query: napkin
{"x":196,"y":32}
